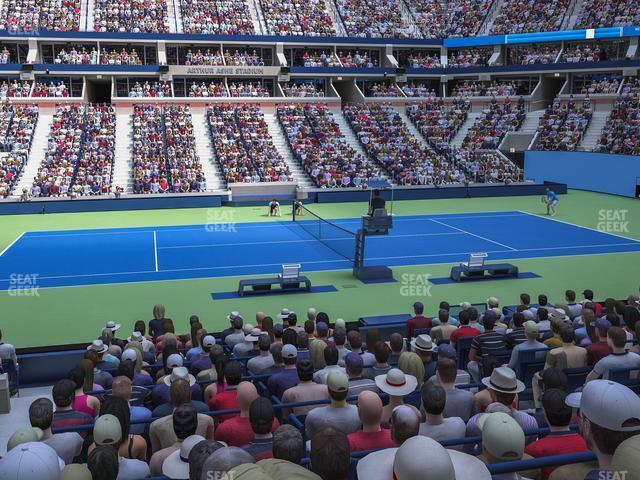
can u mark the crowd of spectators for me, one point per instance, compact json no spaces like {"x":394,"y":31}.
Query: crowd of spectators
{"x":81,"y":56}
{"x":355,"y":59}
{"x":608,"y":13}
{"x":17,"y":124}
{"x":243,"y":58}
{"x":318,"y":143}
{"x":209,"y":17}
{"x":32,"y":15}
{"x":153,"y":89}
{"x":424,"y":61}
{"x":534,"y":54}
{"x":380,"y":89}
{"x":5,"y":56}
{"x":309,"y":18}
{"x":184,"y":166}
{"x":472,"y":88}
{"x":469,"y":57}
{"x":50,"y":89}
{"x":243,"y":145}
{"x":517,"y":16}
{"x":384,"y":136}
{"x":605,"y":86}
{"x":134,"y":16}
{"x":149,"y":163}
{"x":94,"y":173}
{"x":437,"y":122}
{"x":493,"y":124}
{"x":150,"y":402}
{"x":459,"y":18}
{"x":418,"y":89}
{"x":486,"y":166}
{"x":14,"y":88}
{"x":621,"y":134}
{"x":585,"y":52}
{"x":563,"y":124}
{"x":208,"y":57}
{"x":215,"y":88}
{"x":248,"y":89}
{"x":374,"y":19}
{"x":64,"y":149}
{"x":315,"y":58}
{"x":301,"y":90}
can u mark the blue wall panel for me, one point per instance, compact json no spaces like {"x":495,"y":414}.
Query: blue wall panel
{"x":599,"y":172}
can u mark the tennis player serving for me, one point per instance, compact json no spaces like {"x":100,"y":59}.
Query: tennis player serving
{"x":551,"y":200}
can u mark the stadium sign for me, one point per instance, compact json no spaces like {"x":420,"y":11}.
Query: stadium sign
{"x":237,"y":71}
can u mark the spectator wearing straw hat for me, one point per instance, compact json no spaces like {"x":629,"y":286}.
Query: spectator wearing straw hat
{"x":185,"y":424}
{"x":397,"y":385}
{"x":609,"y":414}
{"x":176,"y":464}
{"x":161,"y":394}
{"x":338,"y":413}
{"x":423,"y":346}
{"x":250,"y":345}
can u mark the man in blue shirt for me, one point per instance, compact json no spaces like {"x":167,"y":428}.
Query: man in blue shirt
{"x":288,"y":377}
{"x":552,"y":201}
{"x":531,"y":332}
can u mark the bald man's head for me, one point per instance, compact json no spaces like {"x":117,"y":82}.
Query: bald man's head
{"x":121,"y":388}
{"x":259,"y":317}
{"x":369,"y":408}
{"x":247,"y":393}
{"x":405,"y":423}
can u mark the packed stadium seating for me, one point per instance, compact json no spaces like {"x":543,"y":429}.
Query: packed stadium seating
{"x":621,"y":134}
{"x":437,"y":123}
{"x":17,"y":124}
{"x":493,"y":124}
{"x":563,"y":124}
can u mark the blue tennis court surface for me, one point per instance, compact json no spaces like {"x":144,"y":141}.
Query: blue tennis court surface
{"x":105,"y":256}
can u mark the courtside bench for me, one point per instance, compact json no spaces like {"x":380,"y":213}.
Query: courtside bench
{"x":263,"y":286}
{"x":463,"y":273}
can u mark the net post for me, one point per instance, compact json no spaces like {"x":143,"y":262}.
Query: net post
{"x":293,"y":209}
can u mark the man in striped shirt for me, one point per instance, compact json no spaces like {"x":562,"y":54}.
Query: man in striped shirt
{"x":489,"y":343}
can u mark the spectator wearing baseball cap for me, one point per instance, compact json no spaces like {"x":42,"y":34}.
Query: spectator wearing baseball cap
{"x":329,"y":457}
{"x":459,"y":402}
{"x":447,"y":351}
{"x":67,"y":445}
{"x":338,"y":413}
{"x":600,"y":348}
{"x":264,"y":359}
{"x":261,"y":418}
{"x":288,"y":377}
{"x":371,"y":436}
{"x":357,"y":383}
{"x":227,"y":399}
{"x":249,"y":347}
{"x":418,"y":321}
{"x":306,"y":390}
{"x":436,"y":426}
{"x":108,"y":431}
{"x":560,"y":439}
{"x":397,"y":385}
{"x":625,"y":458}
{"x":202,"y":360}
{"x":64,"y":415}
{"x":619,"y":357}
{"x":609,"y":414}
{"x":237,"y":430}
{"x":464,"y":330}
{"x":185,"y":424}
{"x":31,"y":460}
{"x":531,"y":342}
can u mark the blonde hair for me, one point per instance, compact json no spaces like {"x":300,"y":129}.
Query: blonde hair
{"x":158,"y":311}
{"x":136,"y":347}
{"x":316,"y":351}
{"x":411,"y":364}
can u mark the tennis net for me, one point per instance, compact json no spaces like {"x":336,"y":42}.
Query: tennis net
{"x":339,"y":239}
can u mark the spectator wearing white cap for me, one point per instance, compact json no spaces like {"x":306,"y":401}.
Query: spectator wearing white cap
{"x":436,"y":426}
{"x":504,"y":386}
{"x":409,"y":462}
{"x":609,"y":414}
{"x":67,"y":445}
{"x":185,"y":423}
{"x":502,"y":441}
{"x":306,"y":390}
{"x":264,"y":360}
{"x":202,"y":361}
{"x":531,"y":333}
{"x":338,"y":413}
{"x":237,"y":336}
{"x":397,"y":385}
{"x":31,"y":460}
{"x":459,"y":402}
{"x":288,"y":377}
{"x":618,"y":358}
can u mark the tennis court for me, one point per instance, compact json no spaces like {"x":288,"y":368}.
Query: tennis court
{"x":122,"y":255}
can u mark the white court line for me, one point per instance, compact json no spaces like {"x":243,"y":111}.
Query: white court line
{"x":155,"y":249}
{"x":474,"y":235}
{"x":314,"y":240}
{"x":11,"y":244}
{"x":544,"y":217}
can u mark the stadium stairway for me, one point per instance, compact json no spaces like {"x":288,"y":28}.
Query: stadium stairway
{"x":411,"y":127}
{"x":594,"y":130}
{"x":122,"y":174}
{"x":175,"y":16}
{"x":407,"y":16}
{"x":458,"y":138}
{"x":529,"y":128}
{"x":574,"y":10}
{"x":204,"y":149}
{"x":335,"y":17}
{"x":487,"y":24}
{"x":346,"y":130}
{"x":37,"y":153}
{"x":281,"y":144}
{"x":257,"y":17}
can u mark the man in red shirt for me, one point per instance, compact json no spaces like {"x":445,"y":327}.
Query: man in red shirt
{"x":464,"y":330}
{"x":418,"y":320}
{"x":601,"y":348}
{"x":228,"y":400}
{"x":560,"y":440}
{"x":237,"y":431}
{"x":371,"y":437}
